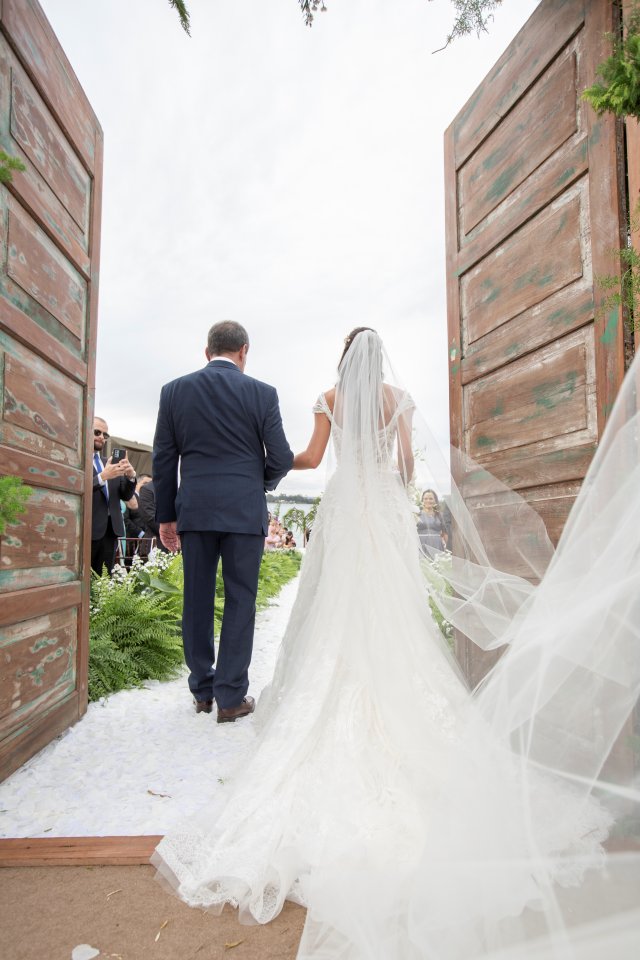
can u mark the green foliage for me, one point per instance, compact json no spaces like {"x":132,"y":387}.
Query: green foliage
{"x":295,"y":518}
{"x":471,"y":16}
{"x":7,"y":164}
{"x":132,"y":637}
{"x":134,"y":631}
{"x":436,"y":571}
{"x":13,"y":500}
{"x":183,"y":14}
{"x":618,"y":90}
{"x":311,"y":515}
{"x":277,"y":568}
{"x":623,"y":292}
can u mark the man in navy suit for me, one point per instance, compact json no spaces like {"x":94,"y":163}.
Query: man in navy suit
{"x":112,"y":482}
{"x":223,"y":431}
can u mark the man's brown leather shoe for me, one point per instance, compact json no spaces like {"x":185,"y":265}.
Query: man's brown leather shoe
{"x":230,"y":714}
{"x":204,"y":706}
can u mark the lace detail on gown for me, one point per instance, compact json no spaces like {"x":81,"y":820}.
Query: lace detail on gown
{"x":372,"y":759}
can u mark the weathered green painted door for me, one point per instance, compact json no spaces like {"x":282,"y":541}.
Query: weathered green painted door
{"x":534,"y":215}
{"x":49,"y":254}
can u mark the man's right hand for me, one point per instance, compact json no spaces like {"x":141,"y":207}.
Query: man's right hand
{"x":169,"y":536}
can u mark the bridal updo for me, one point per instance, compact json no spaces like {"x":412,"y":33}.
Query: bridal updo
{"x":349,"y":340}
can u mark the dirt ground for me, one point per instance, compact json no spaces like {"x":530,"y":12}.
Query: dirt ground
{"x":45,"y":912}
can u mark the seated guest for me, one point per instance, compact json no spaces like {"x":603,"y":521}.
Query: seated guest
{"x":273,"y":539}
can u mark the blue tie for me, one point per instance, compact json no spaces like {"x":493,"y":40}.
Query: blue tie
{"x":100,"y":467}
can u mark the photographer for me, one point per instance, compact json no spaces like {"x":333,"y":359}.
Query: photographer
{"x":113,"y":481}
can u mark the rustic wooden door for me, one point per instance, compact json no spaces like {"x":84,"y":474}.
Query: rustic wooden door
{"x":49,"y":252}
{"x":535,"y":212}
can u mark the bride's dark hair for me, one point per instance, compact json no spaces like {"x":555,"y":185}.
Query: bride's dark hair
{"x":349,"y":340}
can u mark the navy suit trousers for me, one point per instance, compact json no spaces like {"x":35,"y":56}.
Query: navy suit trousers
{"x":228,"y":681}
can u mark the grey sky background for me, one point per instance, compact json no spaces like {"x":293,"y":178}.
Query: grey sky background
{"x":287,"y":178}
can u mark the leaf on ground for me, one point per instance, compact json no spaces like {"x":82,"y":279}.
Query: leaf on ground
{"x":162,"y":926}
{"x":230,"y":946}
{"x":113,"y":892}
{"x":154,"y":794}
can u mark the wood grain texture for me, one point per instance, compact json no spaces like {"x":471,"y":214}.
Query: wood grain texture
{"x":539,"y":124}
{"x":37,"y":400}
{"x":453,"y":294}
{"x":22,"y":744}
{"x":77,"y":851}
{"x":545,"y":184}
{"x":31,"y":189}
{"x":47,"y":534}
{"x":38,"y":657}
{"x":28,"y":31}
{"x":534,"y":215}
{"x":41,"y":600}
{"x":546,"y":32}
{"x":37,"y":266}
{"x":49,"y":270}
{"x":27,"y":330}
{"x":542,"y":257}
{"x":529,"y":401}
{"x":606,"y":201}
{"x":82,"y":671}
{"x":633,"y":171}
{"x":45,"y":145}
{"x":521,"y":469}
{"x":543,"y":323}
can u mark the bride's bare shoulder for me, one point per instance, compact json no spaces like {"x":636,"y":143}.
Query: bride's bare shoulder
{"x":330,"y":397}
{"x":393,"y":395}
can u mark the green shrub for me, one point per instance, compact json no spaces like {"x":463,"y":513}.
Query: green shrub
{"x":13,"y":500}
{"x":133,"y":636}
{"x":134,"y":629}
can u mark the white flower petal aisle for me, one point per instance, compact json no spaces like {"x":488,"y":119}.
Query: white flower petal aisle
{"x":140,"y":760}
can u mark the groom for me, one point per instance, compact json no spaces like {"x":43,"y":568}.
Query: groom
{"x":222,"y":430}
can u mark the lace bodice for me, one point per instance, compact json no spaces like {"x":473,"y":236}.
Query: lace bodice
{"x":385,"y":440}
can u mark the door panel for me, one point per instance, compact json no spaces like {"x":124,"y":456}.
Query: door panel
{"x":534,"y":215}
{"x":49,"y":257}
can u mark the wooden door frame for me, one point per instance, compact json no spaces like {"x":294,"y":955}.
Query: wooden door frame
{"x":31,"y":40}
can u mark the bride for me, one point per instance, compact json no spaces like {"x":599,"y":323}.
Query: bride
{"x":412,"y":817}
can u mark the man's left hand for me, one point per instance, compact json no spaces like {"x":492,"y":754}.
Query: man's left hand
{"x":127,"y":469}
{"x":169,"y":536}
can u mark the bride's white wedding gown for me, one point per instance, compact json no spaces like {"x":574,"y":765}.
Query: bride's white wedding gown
{"x":378,"y":792}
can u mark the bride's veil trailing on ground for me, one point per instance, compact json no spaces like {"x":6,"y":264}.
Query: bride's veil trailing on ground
{"x":561,"y":700}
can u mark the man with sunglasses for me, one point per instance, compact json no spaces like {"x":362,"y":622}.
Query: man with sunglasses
{"x":112,"y":482}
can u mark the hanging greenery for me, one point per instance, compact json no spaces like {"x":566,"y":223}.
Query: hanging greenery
{"x":7,"y":165}
{"x":618,"y":89}
{"x":471,"y":16}
{"x":623,"y":292}
{"x":183,"y":14}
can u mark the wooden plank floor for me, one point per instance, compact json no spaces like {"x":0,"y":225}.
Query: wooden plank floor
{"x":77,"y":851}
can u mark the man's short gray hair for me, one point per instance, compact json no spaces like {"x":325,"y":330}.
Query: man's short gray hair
{"x":226,"y":337}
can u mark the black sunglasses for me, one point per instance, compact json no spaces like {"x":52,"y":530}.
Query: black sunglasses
{"x":100,"y":433}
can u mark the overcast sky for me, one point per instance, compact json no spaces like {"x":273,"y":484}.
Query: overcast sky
{"x":285,"y":177}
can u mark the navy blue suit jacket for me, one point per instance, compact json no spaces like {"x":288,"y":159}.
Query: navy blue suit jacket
{"x":222,"y":431}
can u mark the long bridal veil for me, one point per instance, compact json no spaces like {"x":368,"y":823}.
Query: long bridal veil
{"x":561,"y":703}
{"x":413,"y":817}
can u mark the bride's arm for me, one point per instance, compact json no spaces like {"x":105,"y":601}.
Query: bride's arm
{"x":310,"y":458}
{"x":405,"y":451}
